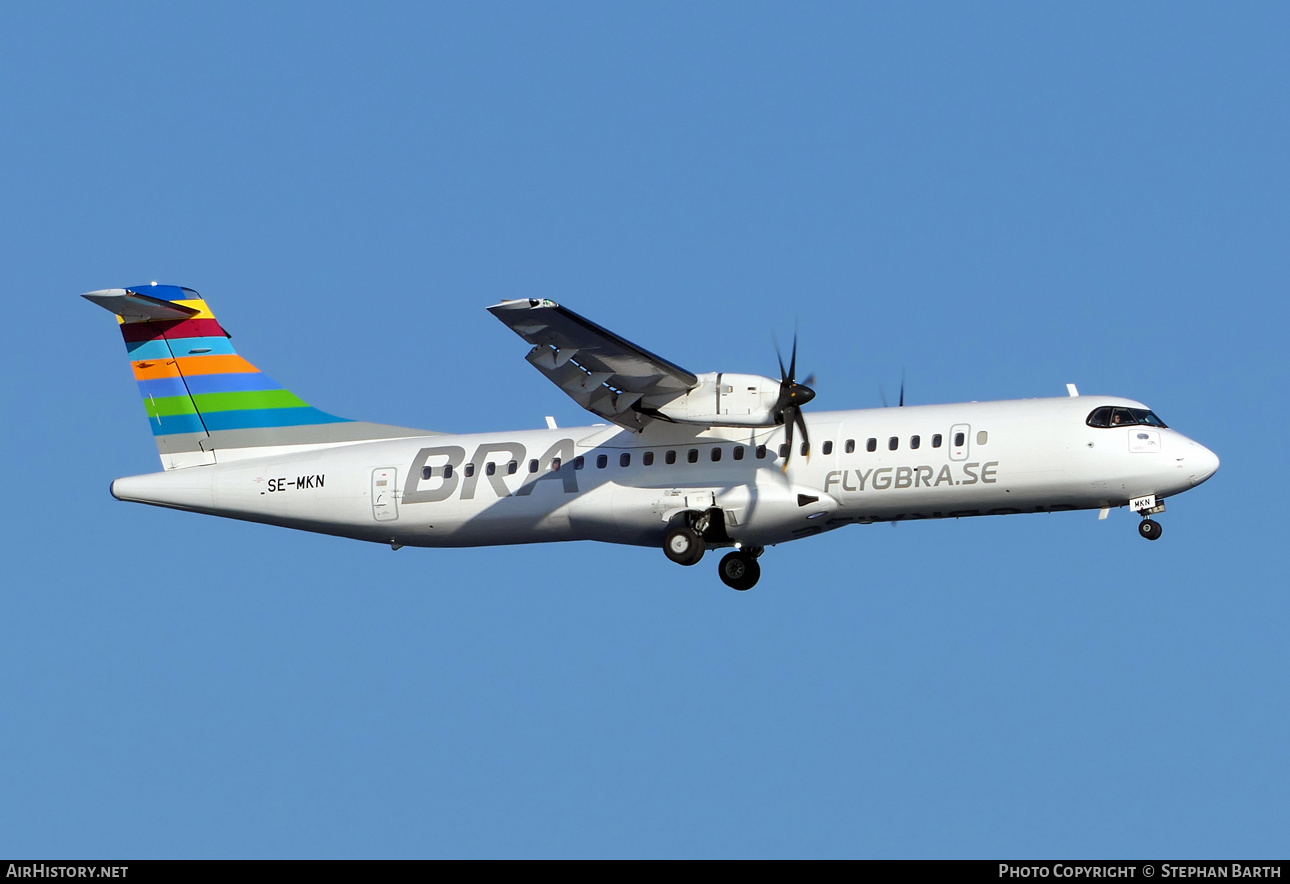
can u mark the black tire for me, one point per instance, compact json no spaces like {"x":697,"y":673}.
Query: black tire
{"x":740,"y":571}
{"x":1150,"y":530}
{"x":683,"y":545}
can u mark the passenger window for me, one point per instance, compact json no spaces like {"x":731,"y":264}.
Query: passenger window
{"x":716,"y":453}
{"x":512,"y":467}
{"x":761,"y":452}
{"x":533,"y":465}
{"x":959,"y":439}
{"x":805,"y":448}
{"x":555,"y":464}
{"x":828,"y":446}
{"x":648,"y":458}
{"x":470,"y":470}
{"x":981,"y":437}
{"x":738,"y":453}
{"x":692,"y":455}
{"x":447,"y":471}
{"x":871,"y":445}
{"x":578,"y":462}
{"x":625,"y":459}
{"x":602,"y":461}
{"x":893,"y":443}
{"x":851,"y":446}
{"x":490,"y":468}
{"x":783,"y":450}
{"x":426,"y":472}
{"x":915,"y":441}
{"x":936,"y":441}
{"x":670,"y":457}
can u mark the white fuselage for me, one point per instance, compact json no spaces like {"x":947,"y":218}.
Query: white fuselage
{"x":618,"y":486}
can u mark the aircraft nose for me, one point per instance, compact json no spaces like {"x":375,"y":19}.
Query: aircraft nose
{"x":1203,"y":463}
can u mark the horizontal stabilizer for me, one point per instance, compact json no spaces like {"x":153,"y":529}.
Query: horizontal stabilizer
{"x":134,"y":307}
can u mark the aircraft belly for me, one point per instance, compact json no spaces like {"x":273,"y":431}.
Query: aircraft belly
{"x":612,"y":513}
{"x":504,"y":521}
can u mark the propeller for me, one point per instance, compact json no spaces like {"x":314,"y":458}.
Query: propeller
{"x":792,"y":396}
{"x":883,"y":393}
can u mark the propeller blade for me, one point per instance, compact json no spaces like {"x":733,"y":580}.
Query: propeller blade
{"x":792,"y":396}
{"x":882,"y":393}
{"x":800,"y":419}
{"x":793,"y":417}
{"x":810,"y":380}
{"x":789,"y":414}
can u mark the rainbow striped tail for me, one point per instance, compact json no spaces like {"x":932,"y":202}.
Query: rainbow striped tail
{"x":207,"y":404}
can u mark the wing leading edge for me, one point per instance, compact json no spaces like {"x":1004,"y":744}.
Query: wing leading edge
{"x":609,"y":376}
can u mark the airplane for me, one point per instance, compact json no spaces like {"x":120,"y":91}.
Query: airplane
{"x":682,"y":461}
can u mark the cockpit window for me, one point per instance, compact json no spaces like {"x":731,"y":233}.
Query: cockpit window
{"x":1106,"y":416}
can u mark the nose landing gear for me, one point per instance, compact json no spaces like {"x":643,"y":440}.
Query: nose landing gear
{"x":1147,"y":507}
{"x":1149,"y":529}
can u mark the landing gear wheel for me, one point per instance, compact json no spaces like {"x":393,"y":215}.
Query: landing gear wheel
{"x":683,"y":545}
{"x":739,"y":570}
{"x":1150,"y":530}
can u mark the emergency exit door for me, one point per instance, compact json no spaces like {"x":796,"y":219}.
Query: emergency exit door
{"x":960,"y":439}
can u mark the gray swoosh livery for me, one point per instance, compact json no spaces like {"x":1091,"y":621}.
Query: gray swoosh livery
{"x":689,"y":462}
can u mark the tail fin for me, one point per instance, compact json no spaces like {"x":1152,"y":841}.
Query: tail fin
{"x":204,"y":401}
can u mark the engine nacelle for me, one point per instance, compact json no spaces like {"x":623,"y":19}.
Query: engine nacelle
{"x":727,"y":400}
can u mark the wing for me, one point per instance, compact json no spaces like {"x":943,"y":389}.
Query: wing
{"x":605,"y":374}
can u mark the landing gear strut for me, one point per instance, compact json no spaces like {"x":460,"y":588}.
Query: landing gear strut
{"x":1150,"y":530}
{"x":739,"y":570}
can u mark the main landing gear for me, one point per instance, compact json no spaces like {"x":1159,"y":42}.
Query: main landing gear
{"x":683,"y":545}
{"x":738,"y":570}
{"x":1149,"y":529}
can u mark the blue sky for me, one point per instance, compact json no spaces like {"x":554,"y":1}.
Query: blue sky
{"x":994,"y":199}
